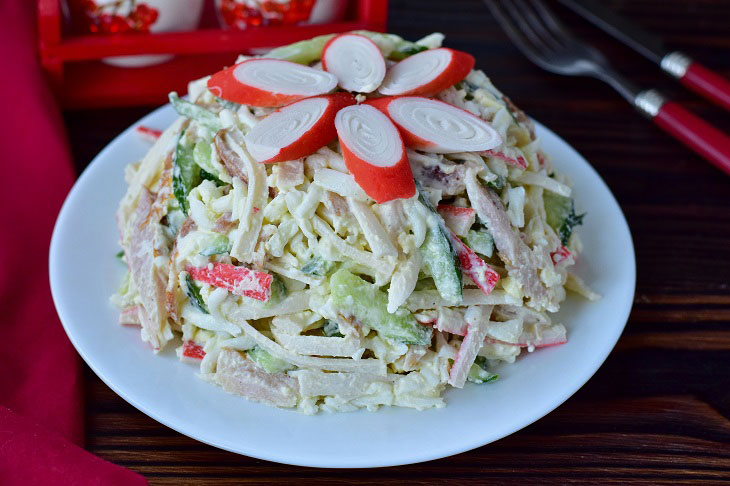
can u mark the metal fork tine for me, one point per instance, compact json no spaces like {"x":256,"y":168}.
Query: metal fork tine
{"x":538,"y":26}
{"x":514,"y":33}
{"x":525,"y":26}
{"x":535,"y":30}
{"x":553,"y":23}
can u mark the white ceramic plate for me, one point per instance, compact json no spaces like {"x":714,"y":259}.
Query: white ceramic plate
{"x":84,"y":273}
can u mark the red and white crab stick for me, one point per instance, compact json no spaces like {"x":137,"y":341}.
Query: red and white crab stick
{"x":477,"y":269}
{"x":514,"y":160}
{"x":427,"y":72}
{"x":270,"y":82}
{"x":235,"y":279}
{"x":149,"y":134}
{"x":434,"y":126}
{"x":374,"y":153}
{"x":356,"y":61}
{"x":296,"y":130}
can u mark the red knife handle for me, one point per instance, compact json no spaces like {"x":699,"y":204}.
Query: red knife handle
{"x":698,"y":78}
{"x":695,"y":133}
{"x":707,"y":83}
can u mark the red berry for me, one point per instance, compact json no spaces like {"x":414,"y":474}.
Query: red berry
{"x":143,"y":17}
{"x":119,"y":24}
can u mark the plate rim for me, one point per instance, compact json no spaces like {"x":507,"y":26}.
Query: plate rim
{"x":578,"y":381}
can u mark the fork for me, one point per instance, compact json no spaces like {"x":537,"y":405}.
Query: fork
{"x":540,"y":35}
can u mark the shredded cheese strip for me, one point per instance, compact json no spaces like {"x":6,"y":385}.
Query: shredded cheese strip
{"x":250,"y":221}
{"x":309,"y":203}
{"x":430,"y":299}
{"x":339,"y":183}
{"x":404,"y":280}
{"x":320,"y":345}
{"x":536,"y":179}
{"x":292,"y":273}
{"x":209,"y":321}
{"x":383,"y":267}
{"x":316,"y":383}
{"x":374,"y":232}
{"x":295,"y":302}
{"x":366,"y":366}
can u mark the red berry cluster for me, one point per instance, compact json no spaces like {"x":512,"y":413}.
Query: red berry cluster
{"x":240,"y":14}
{"x":105,"y":19}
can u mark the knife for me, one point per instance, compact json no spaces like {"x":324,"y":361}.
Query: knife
{"x":689,"y":72}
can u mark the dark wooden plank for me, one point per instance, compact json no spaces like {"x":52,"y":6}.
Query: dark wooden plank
{"x":658,"y":411}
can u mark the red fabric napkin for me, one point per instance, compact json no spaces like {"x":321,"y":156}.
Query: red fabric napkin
{"x":41,"y":415}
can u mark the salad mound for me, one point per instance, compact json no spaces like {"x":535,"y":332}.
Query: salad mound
{"x":348,"y":222}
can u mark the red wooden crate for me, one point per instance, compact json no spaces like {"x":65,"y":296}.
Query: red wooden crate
{"x":80,"y":79}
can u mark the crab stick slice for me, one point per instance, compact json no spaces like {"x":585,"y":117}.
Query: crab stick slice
{"x":434,"y":126}
{"x":270,"y":82}
{"x":427,"y":72}
{"x":296,"y":130}
{"x":149,"y":134}
{"x":356,"y":61}
{"x":484,"y":276}
{"x":511,"y":158}
{"x":374,"y":153}
{"x":553,"y":335}
{"x":192,"y":350}
{"x":477,"y":319}
{"x":235,"y":279}
{"x":457,"y":219}
{"x":561,"y":255}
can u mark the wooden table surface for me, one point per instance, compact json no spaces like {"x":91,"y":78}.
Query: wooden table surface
{"x":658,"y":410}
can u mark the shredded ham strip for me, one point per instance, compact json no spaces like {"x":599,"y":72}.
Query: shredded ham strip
{"x":476,"y":318}
{"x":140,"y":257}
{"x":231,"y":161}
{"x":239,"y":376}
{"x":521,"y":262}
{"x":171,"y":303}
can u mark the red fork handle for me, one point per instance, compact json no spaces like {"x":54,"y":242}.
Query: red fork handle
{"x":707,"y":83}
{"x":698,"y":78}
{"x":695,"y":133}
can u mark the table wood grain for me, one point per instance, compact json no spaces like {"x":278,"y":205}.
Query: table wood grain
{"x":658,"y":410}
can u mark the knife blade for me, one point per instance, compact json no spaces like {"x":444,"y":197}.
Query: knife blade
{"x":680,"y":66}
{"x":645,"y":43}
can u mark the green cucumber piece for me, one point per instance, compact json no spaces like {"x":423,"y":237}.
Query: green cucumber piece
{"x":198,"y":113}
{"x":404,"y":50}
{"x":278,"y":291}
{"x":184,"y":175}
{"x":481,"y":242}
{"x":353,"y":296}
{"x":443,"y":262}
{"x":218,"y":246}
{"x":331,"y":329}
{"x":317,"y":266}
{"x":193,"y":293}
{"x":478,"y":372}
{"x":399,"y":48}
{"x":560,"y":212}
{"x":497,"y":184}
{"x":302,"y":52}
{"x":201,"y":155}
{"x":440,"y":255}
{"x":207,"y":176}
{"x":230,"y":105}
{"x":310,"y":50}
{"x":269,"y":363}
